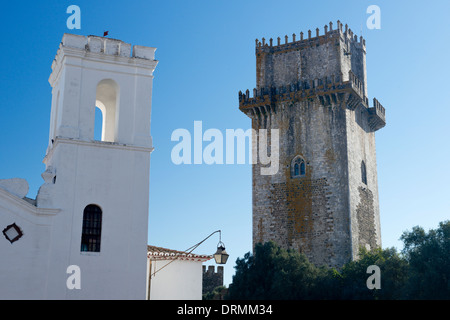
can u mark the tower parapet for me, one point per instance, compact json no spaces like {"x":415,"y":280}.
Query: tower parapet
{"x":329,"y":68}
{"x":306,"y":89}
{"x":377,"y":116}
{"x":106,"y":48}
{"x":336,"y":51}
{"x":304,"y":41}
{"x":326,"y":91}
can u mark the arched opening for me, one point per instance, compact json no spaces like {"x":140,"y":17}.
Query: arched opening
{"x":107,"y":97}
{"x":92,"y":229}
{"x":302,"y":168}
{"x":298,"y":167}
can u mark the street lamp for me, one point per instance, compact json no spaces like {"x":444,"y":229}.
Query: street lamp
{"x":221,"y":256}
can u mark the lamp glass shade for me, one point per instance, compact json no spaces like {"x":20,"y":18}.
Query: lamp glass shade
{"x":221,"y":256}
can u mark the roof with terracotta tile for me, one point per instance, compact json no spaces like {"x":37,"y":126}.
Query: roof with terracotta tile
{"x":159,"y":253}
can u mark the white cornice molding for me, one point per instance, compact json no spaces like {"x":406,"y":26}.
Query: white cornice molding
{"x":95,"y":143}
{"x":135,"y":65}
{"x":23,"y":204}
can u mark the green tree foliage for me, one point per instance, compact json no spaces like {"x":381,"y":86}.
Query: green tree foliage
{"x":218,"y":293}
{"x":428,"y":256}
{"x":354,"y":274}
{"x":273,"y":273}
{"x":420,"y":271}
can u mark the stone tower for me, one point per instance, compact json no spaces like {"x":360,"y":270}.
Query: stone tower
{"x":323,"y":201}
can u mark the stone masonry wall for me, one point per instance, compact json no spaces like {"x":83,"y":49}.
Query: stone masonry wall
{"x":282,"y":67}
{"x":364,"y":203}
{"x":211,"y":278}
{"x":309,"y":213}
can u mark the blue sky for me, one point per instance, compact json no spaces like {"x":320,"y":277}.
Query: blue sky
{"x":206,"y":54}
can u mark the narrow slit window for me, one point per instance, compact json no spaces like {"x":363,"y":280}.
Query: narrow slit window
{"x":363,"y":172}
{"x":92,"y":229}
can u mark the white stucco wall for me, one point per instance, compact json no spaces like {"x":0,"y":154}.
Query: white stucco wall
{"x":24,"y":263}
{"x":115,"y":178}
{"x":179,"y":280}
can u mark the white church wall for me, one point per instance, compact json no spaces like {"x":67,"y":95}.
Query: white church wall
{"x":24,"y":263}
{"x":116,"y":179}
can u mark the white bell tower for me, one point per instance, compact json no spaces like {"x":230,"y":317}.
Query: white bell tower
{"x":101,"y":187}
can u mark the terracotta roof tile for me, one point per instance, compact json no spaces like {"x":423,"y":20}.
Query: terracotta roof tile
{"x":159,"y":253}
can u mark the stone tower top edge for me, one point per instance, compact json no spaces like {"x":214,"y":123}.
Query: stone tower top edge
{"x":311,"y":38}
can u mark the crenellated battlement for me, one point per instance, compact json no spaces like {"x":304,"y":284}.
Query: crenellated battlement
{"x":378,"y":107}
{"x":211,"y":278}
{"x":309,"y":40}
{"x":309,"y":89}
{"x":327,"y":91}
{"x":377,"y":116}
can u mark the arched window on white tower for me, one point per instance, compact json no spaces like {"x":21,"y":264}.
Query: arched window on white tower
{"x":91,"y":229}
{"x":106,"y":100}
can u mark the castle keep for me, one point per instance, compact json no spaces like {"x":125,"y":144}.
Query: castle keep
{"x":323,"y":201}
